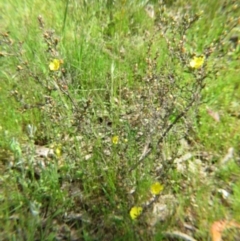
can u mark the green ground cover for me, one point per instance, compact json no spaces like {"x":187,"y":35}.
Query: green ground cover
{"x":119,"y":119}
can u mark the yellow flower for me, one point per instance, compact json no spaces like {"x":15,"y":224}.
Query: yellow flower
{"x":58,"y":151}
{"x":115,"y":140}
{"x":55,"y":65}
{"x":135,"y":212}
{"x":156,"y":188}
{"x":197,"y":62}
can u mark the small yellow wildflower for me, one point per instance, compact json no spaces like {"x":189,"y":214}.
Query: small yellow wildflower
{"x":58,"y":151}
{"x":156,"y":188}
{"x":55,"y":65}
{"x":135,"y":212}
{"x":197,"y":62}
{"x":115,"y":140}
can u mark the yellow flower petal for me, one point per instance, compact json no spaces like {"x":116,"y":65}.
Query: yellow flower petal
{"x":156,"y":188}
{"x":135,"y":212}
{"x":55,"y":65}
{"x":115,"y":140}
{"x":197,"y":62}
{"x":58,"y":151}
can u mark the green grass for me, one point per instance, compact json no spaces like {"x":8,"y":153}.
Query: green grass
{"x":123,"y":74}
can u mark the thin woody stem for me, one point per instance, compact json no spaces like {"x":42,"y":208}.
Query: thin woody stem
{"x":147,"y":148}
